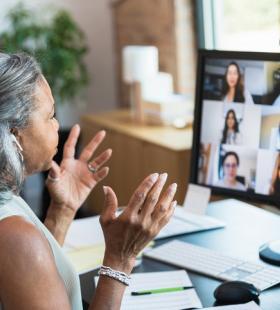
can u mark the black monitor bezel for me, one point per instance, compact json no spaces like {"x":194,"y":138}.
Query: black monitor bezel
{"x":202,"y":55}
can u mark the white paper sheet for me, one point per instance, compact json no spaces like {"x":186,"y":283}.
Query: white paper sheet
{"x":163,"y":301}
{"x":183,"y":222}
{"x":197,"y":199}
{"x":84,"y":232}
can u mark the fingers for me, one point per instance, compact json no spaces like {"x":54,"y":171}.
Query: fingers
{"x":110,"y":205}
{"x":139,"y":196}
{"x":101,"y":159}
{"x":54,"y":172}
{"x":164,"y":203}
{"x":153,"y":195}
{"x":70,"y":145}
{"x":92,"y":146}
{"x":165,"y":219}
{"x":101,"y":174}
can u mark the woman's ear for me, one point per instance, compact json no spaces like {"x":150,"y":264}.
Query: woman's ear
{"x":15,"y":137}
{"x":14,"y":131}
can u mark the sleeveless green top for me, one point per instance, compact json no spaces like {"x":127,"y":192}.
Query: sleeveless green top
{"x":17,"y":206}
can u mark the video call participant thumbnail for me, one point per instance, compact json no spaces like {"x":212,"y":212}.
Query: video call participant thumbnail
{"x":233,"y":86}
{"x":230,"y":163}
{"x":231,"y":133}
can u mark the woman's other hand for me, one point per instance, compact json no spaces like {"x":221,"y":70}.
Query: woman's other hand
{"x":74,"y":179}
{"x":146,"y":213}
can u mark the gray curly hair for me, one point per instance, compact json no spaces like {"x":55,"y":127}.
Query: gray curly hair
{"x":19,"y":74}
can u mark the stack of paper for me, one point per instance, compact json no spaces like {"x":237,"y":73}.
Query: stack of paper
{"x":172,"y":297}
{"x":84,"y":244}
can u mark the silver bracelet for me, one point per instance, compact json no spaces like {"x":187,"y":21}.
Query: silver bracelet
{"x":114,"y":274}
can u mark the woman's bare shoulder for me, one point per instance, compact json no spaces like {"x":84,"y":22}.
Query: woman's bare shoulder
{"x":27,"y":266}
{"x":20,"y":241}
{"x":19,"y":231}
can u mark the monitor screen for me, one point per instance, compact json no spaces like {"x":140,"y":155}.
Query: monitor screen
{"x":236,"y":145}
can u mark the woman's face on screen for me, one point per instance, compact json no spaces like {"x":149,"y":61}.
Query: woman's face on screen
{"x":230,"y":121}
{"x":230,"y":168}
{"x":232,"y":76}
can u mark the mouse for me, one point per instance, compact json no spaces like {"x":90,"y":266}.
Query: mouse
{"x":236,"y":292}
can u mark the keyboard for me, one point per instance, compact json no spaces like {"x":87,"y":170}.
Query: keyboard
{"x":215,"y":264}
{"x":183,"y":222}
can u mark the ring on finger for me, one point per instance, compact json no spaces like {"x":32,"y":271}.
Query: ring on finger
{"x":92,"y":169}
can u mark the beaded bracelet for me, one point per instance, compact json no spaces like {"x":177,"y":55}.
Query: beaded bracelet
{"x":114,"y":274}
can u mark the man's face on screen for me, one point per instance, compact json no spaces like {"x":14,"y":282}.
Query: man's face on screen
{"x":232,"y":76}
{"x":230,"y":168}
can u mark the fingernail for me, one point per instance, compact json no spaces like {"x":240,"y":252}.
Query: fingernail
{"x":163,"y":177}
{"x":174,"y":203}
{"x":174,"y":186}
{"x":154,"y":177}
{"x":105,"y":189}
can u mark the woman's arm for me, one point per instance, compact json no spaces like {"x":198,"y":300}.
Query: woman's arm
{"x":109,"y":292}
{"x":27,"y":265}
{"x":28,"y":275}
{"x":126,"y":235}
{"x":58,"y":220}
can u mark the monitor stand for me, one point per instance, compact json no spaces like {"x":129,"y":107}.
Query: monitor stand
{"x":270,"y":252}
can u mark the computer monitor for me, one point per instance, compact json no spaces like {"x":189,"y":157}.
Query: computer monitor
{"x":236,"y":143}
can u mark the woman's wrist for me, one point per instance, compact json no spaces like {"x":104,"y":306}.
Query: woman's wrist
{"x":61,"y":211}
{"x":58,"y":220}
{"x":121,"y":264}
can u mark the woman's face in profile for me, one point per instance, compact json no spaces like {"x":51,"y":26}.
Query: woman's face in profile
{"x":230,"y":121}
{"x":40,"y":138}
{"x":230,"y":168}
{"x":232,"y":76}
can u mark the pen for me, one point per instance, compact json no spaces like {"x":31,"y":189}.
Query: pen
{"x":162,"y":290}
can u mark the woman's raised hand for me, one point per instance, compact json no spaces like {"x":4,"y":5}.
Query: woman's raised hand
{"x":148,"y":210}
{"x":70,"y":183}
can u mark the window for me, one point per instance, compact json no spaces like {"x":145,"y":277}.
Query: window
{"x":247,"y":25}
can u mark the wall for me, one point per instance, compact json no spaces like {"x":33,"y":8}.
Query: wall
{"x":94,"y":17}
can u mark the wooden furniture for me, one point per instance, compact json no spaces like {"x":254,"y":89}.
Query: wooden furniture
{"x":138,"y":150}
{"x":247,"y":228}
{"x":166,"y":24}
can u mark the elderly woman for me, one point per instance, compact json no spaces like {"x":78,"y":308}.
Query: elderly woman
{"x":34,"y":272}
